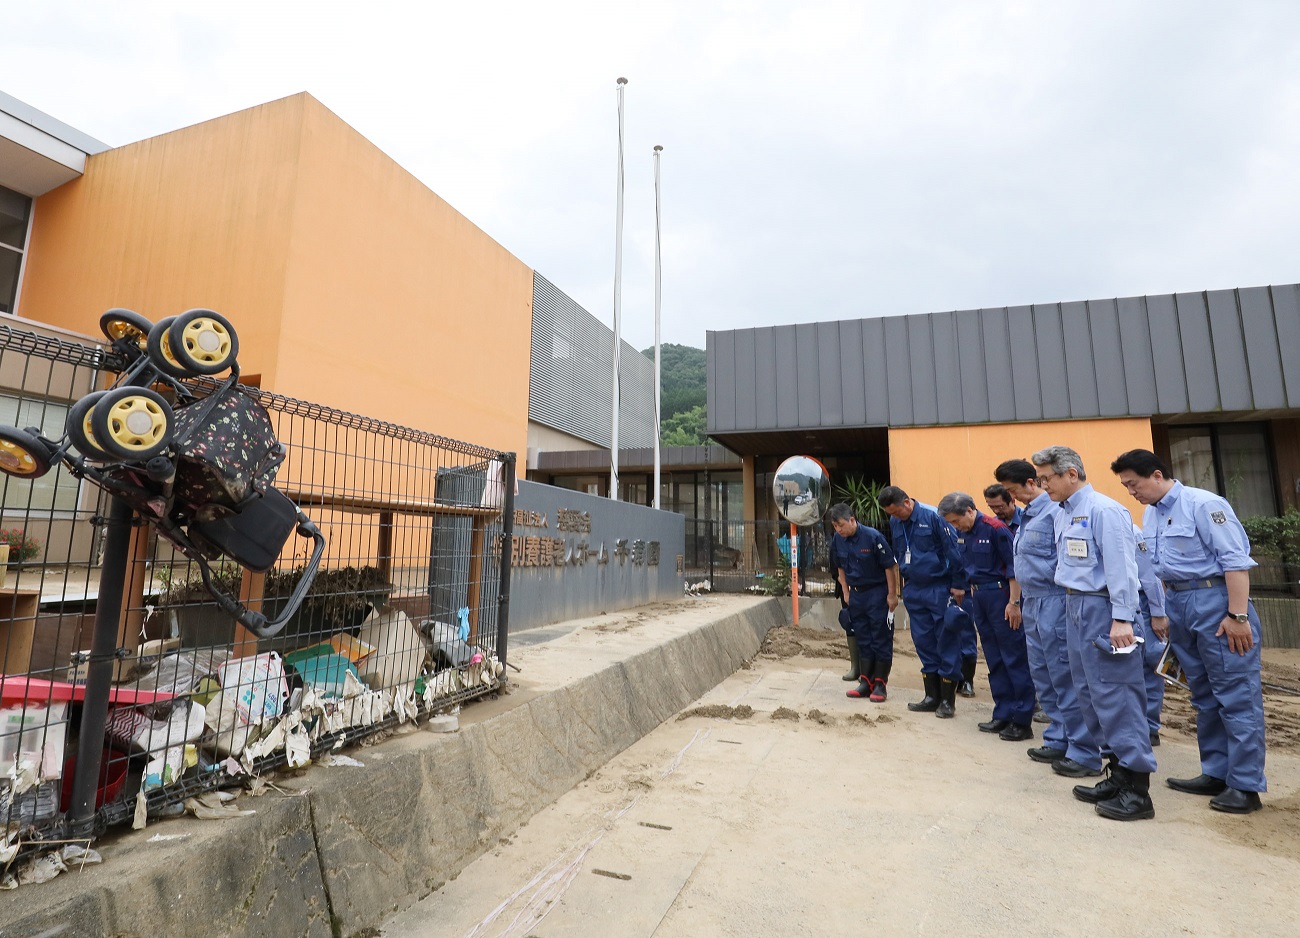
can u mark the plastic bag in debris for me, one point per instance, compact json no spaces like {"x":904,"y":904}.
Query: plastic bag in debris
{"x":157,"y":726}
{"x":253,"y":693}
{"x":449,"y":649}
{"x":179,"y":672}
{"x":76,"y":856}
{"x":212,"y":806}
{"x":41,"y":869}
{"x":399,"y":650}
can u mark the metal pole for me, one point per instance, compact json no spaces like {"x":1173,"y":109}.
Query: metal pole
{"x":507,"y":530}
{"x":658,"y":349}
{"x":618,"y":302}
{"x":99,"y":677}
{"x":794,"y":570}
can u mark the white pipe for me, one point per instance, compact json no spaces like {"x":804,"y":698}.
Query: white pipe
{"x":618,"y":303}
{"x":658,"y":350}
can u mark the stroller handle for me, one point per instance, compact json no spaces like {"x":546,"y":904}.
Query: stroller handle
{"x":254,"y":621}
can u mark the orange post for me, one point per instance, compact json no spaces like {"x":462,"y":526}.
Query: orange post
{"x":794,"y":570}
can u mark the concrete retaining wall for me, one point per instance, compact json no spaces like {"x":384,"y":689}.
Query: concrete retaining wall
{"x":353,"y":845}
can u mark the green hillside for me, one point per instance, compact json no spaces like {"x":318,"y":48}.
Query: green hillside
{"x":683,"y":376}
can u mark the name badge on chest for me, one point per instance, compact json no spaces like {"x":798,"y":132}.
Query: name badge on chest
{"x":907,"y":556}
{"x":1074,"y":547}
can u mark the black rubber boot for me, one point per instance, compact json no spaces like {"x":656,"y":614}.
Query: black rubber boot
{"x":947,"y":700}
{"x":1133,"y":801}
{"x":855,"y":659}
{"x":863,"y":690}
{"x":1108,"y":787}
{"x":930,"y":702}
{"x":879,"y":691}
{"x":967,"y":686}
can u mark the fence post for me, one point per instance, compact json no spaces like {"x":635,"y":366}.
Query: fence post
{"x":99,"y":677}
{"x":507,"y":531}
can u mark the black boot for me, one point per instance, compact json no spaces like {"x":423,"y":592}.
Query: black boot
{"x":879,"y":693}
{"x":1108,"y":787}
{"x":855,"y":659}
{"x":866,"y":680}
{"x":930,"y":702}
{"x":947,"y":699}
{"x":967,"y":686}
{"x":1133,"y":801}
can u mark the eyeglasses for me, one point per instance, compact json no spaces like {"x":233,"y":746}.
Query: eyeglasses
{"x":1043,"y":480}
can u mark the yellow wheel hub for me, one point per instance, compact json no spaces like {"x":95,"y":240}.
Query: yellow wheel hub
{"x":16,"y":459}
{"x":207,"y":341}
{"x":118,"y":329}
{"x":167,"y":353}
{"x":137,"y":423}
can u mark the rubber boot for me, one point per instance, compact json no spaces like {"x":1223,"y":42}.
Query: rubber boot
{"x":930,"y":702}
{"x":1133,"y":801}
{"x":855,"y":658}
{"x":947,"y":700}
{"x":967,"y":686}
{"x":879,"y":691}
{"x":1108,"y":787}
{"x":863,"y":690}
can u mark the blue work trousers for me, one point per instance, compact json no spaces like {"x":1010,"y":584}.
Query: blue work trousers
{"x":1004,"y":654}
{"x":1111,"y":687}
{"x":1225,"y":687}
{"x":1151,"y":653}
{"x":1049,"y":663}
{"x":869,"y":619}
{"x":938,"y":649}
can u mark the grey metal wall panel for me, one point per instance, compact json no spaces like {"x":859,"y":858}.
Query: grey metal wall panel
{"x":711,"y":392}
{"x":746,"y":399}
{"x":1049,"y":340}
{"x":997,"y":364}
{"x":830,"y":386}
{"x":972,"y":366}
{"x":765,"y":376}
{"x":1080,"y":375}
{"x":924,"y":378}
{"x":570,"y":374}
{"x":1108,"y":359}
{"x":854,"y":377}
{"x":787,"y":385}
{"x":1135,"y":344}
{"x":725,"y":361}
{"x":875,"y":357}
{"x":947,"y":367}
{"x":1231,"y":373}
{"x":898,"y":364}
{"x":1198,"y":352}
{"x":1263,"y":351}
{"x":1025,"y":380}
{"x":1167,"y":353}
{"x":1286,"y":317}
{"x":807,"y":375}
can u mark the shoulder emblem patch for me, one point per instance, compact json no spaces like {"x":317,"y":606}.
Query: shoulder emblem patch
{"x":1142,"y":545}
{"x":1218,"y":517}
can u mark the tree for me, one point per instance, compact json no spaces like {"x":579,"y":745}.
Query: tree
{"x":685,"y":429}
{"x":683,"y":379}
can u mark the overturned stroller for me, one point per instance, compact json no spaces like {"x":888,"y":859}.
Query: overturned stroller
{"x":194,"y":458}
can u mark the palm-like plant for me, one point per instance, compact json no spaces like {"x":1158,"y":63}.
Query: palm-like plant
{"x":863,"y":496}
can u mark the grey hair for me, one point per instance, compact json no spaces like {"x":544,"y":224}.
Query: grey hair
{"x":840,"y":512}
{"x":955,"y":503}
{"x":1060,"y":459}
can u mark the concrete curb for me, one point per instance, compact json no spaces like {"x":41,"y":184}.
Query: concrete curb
{"x":352,"y":846}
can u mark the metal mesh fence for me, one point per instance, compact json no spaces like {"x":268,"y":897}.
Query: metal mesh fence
{"x":406,"y":615}
{"x":751,"y":556}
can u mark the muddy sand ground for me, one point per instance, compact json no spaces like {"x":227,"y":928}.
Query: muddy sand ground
{"x":776,"y":806}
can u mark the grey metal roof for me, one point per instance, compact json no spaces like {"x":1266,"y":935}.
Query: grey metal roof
{"x":1161,"y":355}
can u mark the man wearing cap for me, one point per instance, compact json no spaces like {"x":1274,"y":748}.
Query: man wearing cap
{"x":1068,"y":746}
{"x":1097,"y":566}
{"x":1201,"y":552}
{"x":868,"y":576}
{"x":933,"y":573}
{"x":989,"y":560}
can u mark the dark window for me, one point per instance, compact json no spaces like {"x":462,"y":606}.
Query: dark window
{"x":1233,"y":459}
{"x":15,"y":211}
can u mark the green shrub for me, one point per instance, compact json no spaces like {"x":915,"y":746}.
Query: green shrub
{"x":1276,"y":538}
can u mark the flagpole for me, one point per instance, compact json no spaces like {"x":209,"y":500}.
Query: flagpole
{"x":658,"y":349}
{"x":618,"y":303}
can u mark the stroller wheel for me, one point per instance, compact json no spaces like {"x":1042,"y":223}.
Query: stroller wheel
{"x":125,"y":324}
{"x":22,"y":454}
{"x":132,"y":423}
{"x":203,"y":341}
{"x":160,"y":350}
{"x":80,"y":431}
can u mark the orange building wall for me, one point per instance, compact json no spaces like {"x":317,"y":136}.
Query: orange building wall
{"x":396,"y":305}
{"x":930,"y":462}
{"x":349,"y":282}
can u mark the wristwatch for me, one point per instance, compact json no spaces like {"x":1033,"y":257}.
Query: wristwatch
{"x":1239,"y":616}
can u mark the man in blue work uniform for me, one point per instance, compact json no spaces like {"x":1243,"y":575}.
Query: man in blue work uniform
{"x":990,"y":567}
{"x":1097,"y":566}
{"x":932,"y":570}
{"x":1200,"y":551}
{"x":1068,"y":746}
{"x":868,"y":575}
{"x":1151,"y":610}
{"x":1002,"y":505}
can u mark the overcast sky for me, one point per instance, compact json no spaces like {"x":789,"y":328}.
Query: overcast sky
{"x":821,"y":160}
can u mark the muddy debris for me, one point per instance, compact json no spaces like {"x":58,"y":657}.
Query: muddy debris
{"x":817,"y":716}
{"x":719,"y":712}
{"x":861,"y":719}
{"x":789,"y":641}
{"x":785,"y":713}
